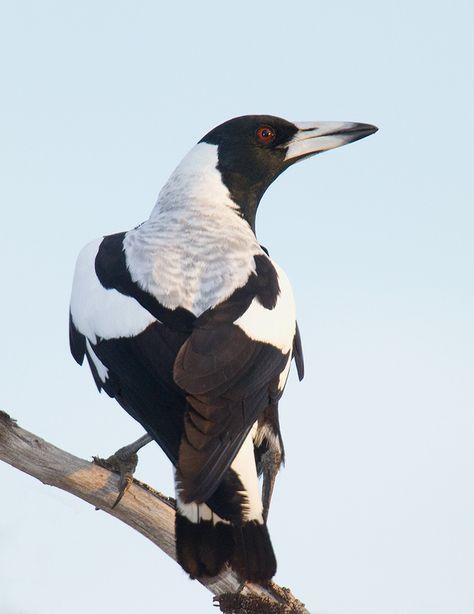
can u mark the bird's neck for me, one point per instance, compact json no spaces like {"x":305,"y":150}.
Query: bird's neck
{"x":198,"y":185}
{"x":195,"y":185}
{"x":196,"y":247}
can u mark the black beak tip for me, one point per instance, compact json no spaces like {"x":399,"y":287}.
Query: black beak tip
{"x":358,"y":130}
{"x":366,"y":129}
{"x":372,"y":129}
{"x":362,"y":131}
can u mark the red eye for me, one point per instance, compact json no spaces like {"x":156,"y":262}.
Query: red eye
{"x":265,"y":134}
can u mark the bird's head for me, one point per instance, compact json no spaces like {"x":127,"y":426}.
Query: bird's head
{"x":243,"y":156}
{"x":253,"y":150}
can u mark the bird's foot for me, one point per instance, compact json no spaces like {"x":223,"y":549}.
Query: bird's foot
{"x":124,"y":462}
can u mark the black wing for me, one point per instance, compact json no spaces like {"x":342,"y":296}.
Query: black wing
{"x":140,"y":377}
{"x":229,"y":379}
{"x":298,"y":353}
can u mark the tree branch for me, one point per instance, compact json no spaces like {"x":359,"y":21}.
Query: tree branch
{"x":144,"y":509}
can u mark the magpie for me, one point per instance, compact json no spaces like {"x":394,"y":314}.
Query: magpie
{"x":190,"y":325}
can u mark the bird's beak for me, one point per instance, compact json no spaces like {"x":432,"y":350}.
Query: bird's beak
{"x":313,"y":138}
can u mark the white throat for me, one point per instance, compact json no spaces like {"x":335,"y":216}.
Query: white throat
{"x":195,"y":249}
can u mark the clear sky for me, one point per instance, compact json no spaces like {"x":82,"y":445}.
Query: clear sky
{"x":374,"y":512}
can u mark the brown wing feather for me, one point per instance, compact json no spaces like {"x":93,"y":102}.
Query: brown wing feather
{"x":229,"y":380}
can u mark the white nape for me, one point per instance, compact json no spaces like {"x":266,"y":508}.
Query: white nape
{"x":195,"y":249}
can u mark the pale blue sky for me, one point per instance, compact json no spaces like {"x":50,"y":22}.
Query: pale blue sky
{"x":374,"y":510}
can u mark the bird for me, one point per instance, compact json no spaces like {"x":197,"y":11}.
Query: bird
{"x":191,"y":326}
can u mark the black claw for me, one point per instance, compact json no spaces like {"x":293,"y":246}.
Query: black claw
{"x":123,"y":464}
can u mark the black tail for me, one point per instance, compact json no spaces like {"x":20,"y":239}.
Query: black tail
{"x":204,"y":547}
{"x":220,"y":531}
{"x":253,"y":557}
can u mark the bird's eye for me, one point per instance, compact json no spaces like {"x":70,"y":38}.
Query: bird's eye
{"x":265,"y":135}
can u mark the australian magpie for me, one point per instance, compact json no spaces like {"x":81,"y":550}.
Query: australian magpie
{"x":190,"y":325}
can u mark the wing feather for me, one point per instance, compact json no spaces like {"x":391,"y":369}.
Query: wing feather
{"x":229,"y":379}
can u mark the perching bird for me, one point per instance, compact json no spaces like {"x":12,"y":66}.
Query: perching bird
{"x":190,"y":325}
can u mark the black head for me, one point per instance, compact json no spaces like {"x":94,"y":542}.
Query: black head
{"x":254,"y":149}
{"x":251,"y":152}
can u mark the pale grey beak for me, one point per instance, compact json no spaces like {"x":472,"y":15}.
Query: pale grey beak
{"x":313,"y":138}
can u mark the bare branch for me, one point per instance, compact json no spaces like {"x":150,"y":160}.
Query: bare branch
{"x":144,"y":509}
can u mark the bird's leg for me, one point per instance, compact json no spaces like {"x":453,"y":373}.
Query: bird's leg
{"x":271,"y":461}
{"x":124,"y":462}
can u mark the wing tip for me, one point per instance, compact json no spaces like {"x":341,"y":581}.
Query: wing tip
{"x":77,"y":342}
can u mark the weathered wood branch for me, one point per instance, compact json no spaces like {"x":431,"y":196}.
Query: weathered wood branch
{"x":144,"y":509}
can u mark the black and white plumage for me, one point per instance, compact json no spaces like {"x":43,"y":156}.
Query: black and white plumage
{"x":190,"y":325}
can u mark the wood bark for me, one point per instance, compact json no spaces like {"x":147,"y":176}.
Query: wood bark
{"x":142,"y":508}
